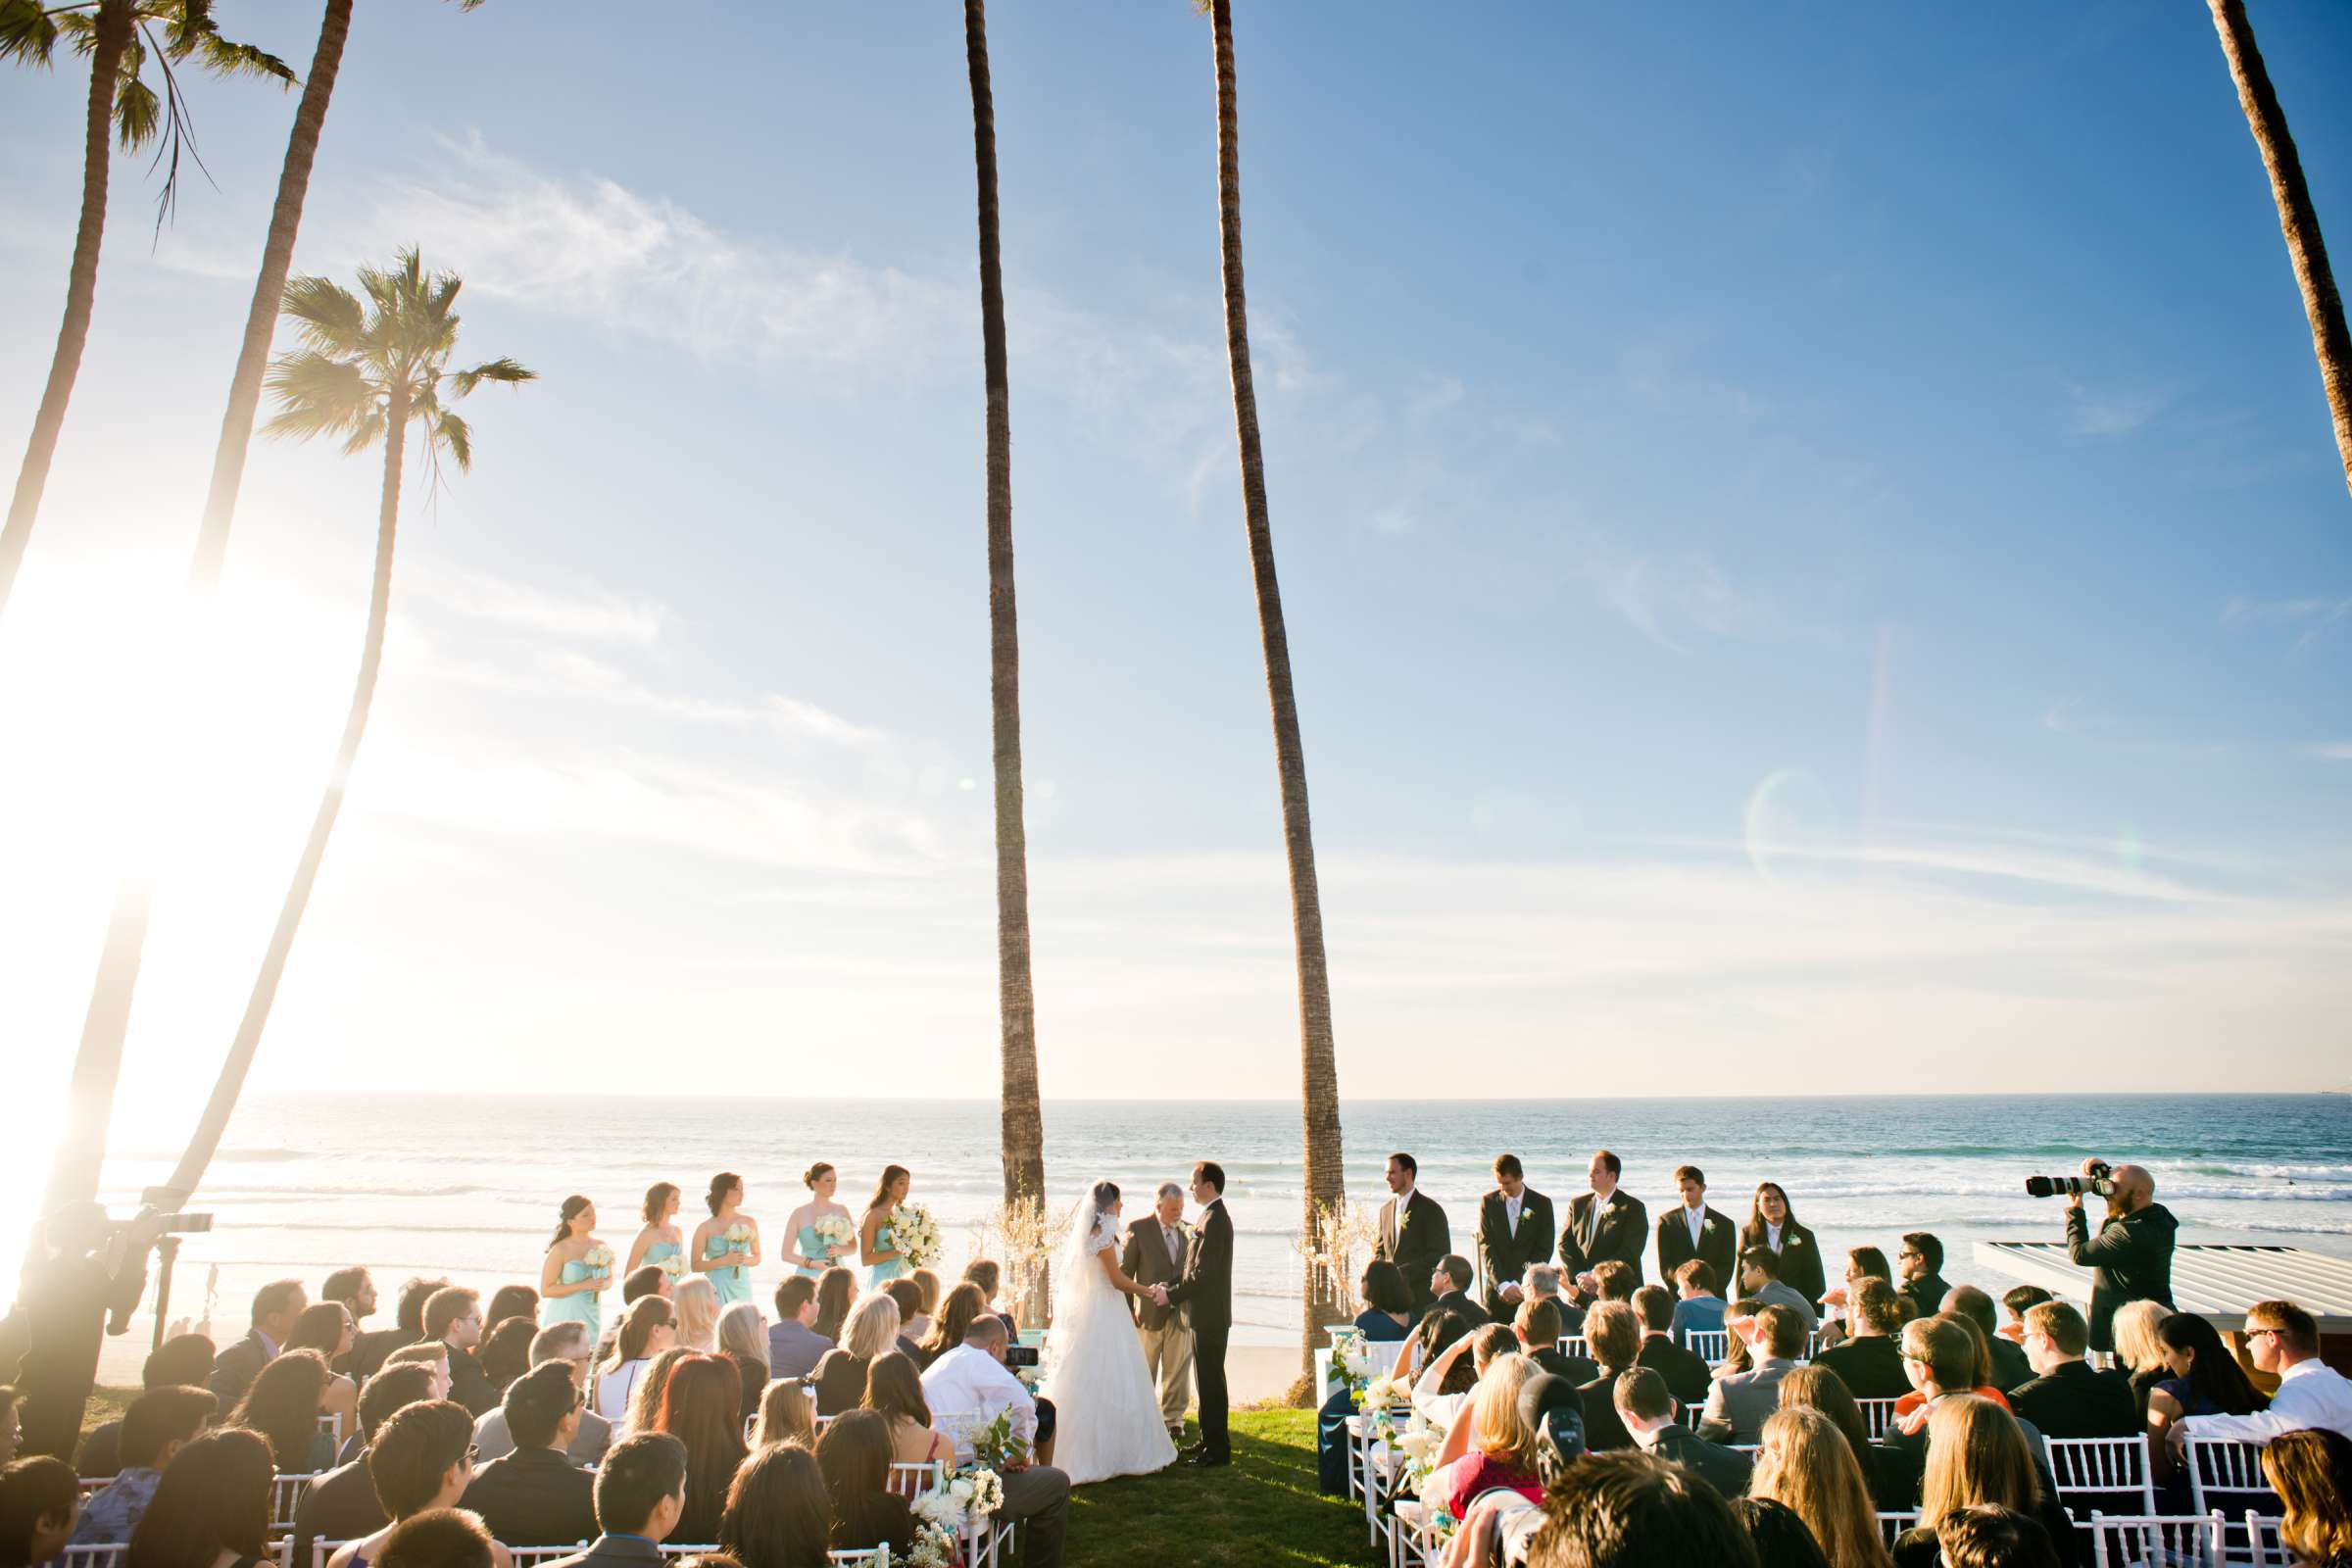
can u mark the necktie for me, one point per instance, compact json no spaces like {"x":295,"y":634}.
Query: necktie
{"x":1169,"y":1232}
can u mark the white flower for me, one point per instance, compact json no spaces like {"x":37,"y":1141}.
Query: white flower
{"x":674,"y":1265}
{"x":960,"y":1489}
{"x":739,"y":1232}
{"x":599,"y":1257}
{"x":1418,"y":1444}
{"x":835,"y":1231}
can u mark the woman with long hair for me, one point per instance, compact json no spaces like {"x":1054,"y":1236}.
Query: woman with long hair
{"x":805,"y":1250}
{"x":958,"y":1313}
{"x":695,"y":1306}
{"x":1977,"y":1453}
{"x":778,"y":1513}
{"x":2312,"y":1472}
{"x":1387,"y":1312}
{"x":1814,"y":1388}
{"x":511,"y":1301}
{"x":742,"y":1340}
{"x":701,"y":1408}
{"x":883,"y":1261}
{"x":786,"y":1415}
{"x":1431,"y":1337}
{"x":2206,"y":1380}
{"x":836,"y":1294}
{"x":2138,"y":1351}
{"x":577,"y":1269}
{"x":893,"y":1391}
{"x":1501,"y":1451}
{"x":505,"y":1353}
{"x":1805,"y":1464}
{"x":658,"y":1242}
{"x":854,"y":1455}
{"x":647,"y":1330}
{"x":282,"y":1404}
{"x":726,"y":1245}
{"x":212,"y":1507}
{"x":645,"y":1401}
{"x":1837,"y":1304}
{"x":329,"y":1329}
{"x":1772,"y":1223}
{"x":927,"y":1283}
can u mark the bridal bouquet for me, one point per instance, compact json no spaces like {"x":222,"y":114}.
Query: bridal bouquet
{"x":835,"y":1231}
{"x":914,"y":1235}
{"x":598,"y":1260}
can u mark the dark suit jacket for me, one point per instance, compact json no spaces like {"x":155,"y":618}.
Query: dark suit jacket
{"x":2131,"y":1260}
{"x":2074,"y":1400}
{"x":1871,"y":1367}
{"x":1577,"y":1370}
{"x":1684,"y":1372}
{"x":1414,"y":1241}
{"x":1718,"y":1243}
{"x":1147,"y":1261}
{"x":1602,"y":1428}
{"x":1458,"y":1302}
{"x":533,"y":1498}
{"x":235,"y":1368}
{"x":340,"y":1505}
{"x":613,"y":1552}
{"x":2010,"y":1368}
{"x":470,"y":1386}
{"x":1624,"y":1234}
{"x":1726,"y":1471}
{"x":1802,"y":1267}
{"x":1925,"y":1294}
{"x":1206,"y":1288}
{"x":1504,"y":1254}
{"x":368,"y":1350}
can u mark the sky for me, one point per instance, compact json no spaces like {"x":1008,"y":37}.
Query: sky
{"x":1811,"y":541}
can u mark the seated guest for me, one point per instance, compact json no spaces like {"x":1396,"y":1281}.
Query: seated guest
{"x":699,"y":1407}
{"x":282,"y":1404}
{"x":854,"y":1455}
{"x":1537,"y":1327}
{"x":1495,"y":1445}
{"x":1892,"y":1486}
{"x":1739,"y":1336}
{"x":918,"y":1327}
{"x":158,"y":1425}
{"x":1449,"y":1289}
{"x":2206,"y":1380}
{"x":840,"y":1383}
{"x":1961,"y":1369}
{"x":1989,"y":1535}
{"x":442,"y":1537}
{"x":342,"y":1505}
{"x":513,"y":1301}
{"x":2068,"y":1397}
{"x":1869,"y":1361}
{"x":786,"y":1415}
{"x":640,"y":1492}
{"x":454,"y":1317}
{"x":1432,"y":1335}
{"x":1647,"y":1411}
{"x":184,"y":1361}
{"x":836,"y":1294}
{"x":1805,"y":1464}
{"x":1684,"y":1372}
{"x":893,"y":1391}
{"x":1614,"y":1335}
{"x":1388,"y":1313}
{"x":1921,"y":1260}
{"x":743,"y":1342}
{"x":958,"y":1310}
{"x":534,"y":1497}
{"x":1760,"y":1279}
{"x":693,"y":1302}
{"x":353,"y":1291}
{"x":1781,"y":1539}
{"x":2009,"y":1364}
{"x":275,"y":1306}
{"x":1699,"y":1308}
{"x":908,"y":1298}
{"x":2016,"y":1302}
{"x":779,"y":1514}
{"x":1772,"y":1223}
{"x":329,"y":1329}
{"x":2138,"y":1352}
{"x":2310,"y":1471}
{"x":564,"y":1343}
{"x":1738,"y":1403}
{"x":1615,"y":1280}
{"x":1979,"y":1453}
{"x":39,"y":1502}
{"x":430,"y":1354}
{"x":212,"y":1507}
{"x":419,"y":1461}
{"x":372,"y":1351}
{"x":794,"y":1347}
{"x":1443,"y":1391}
{"x":985,"y":1273}
{"x":646,"y":1330}
{"x":2284,"y":1341}
{"x":1627,"y":1510}
{"x":505,"y":1353}
{"x":967,"y":1389}
{"x":1543,"y":1283}
{"x":1862,"y":1264}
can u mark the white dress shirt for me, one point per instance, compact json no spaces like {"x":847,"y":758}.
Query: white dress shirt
{"x":1697,"y":1219}
{"x":2312,"y":1396}
{"x":966,"y":1387}
{"x":1771,"y":1234}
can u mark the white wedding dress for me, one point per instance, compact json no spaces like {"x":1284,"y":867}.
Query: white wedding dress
{"x":1107,"y":1412}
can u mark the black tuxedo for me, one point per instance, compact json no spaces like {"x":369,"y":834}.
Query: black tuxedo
{"x":1560,"y":1364}
{"x":2075,"y":1399}
{"x":1801,"y":1260}
{"x":1458,"y":1302}
{"x":2009,"y":1364}
{"x":1925,"y":1294}
{"x":533,"y":1498}
{"x":470,"y":1386}
{"x":1623,"y":1234}
{"x":340,"y":1505}
{"x":1870,"y":1365}
{"x":1504,"y":1252}
{"x":1718,"y":1244}
{"x":1727,"y":1470}
{"x":1415,"y":1242}
{"x":1604,"y":1429}
{"x":1683,"y":1372}
{"x":235,"y":1368}
{"x":1206,"y":1289}
{"x":1147,"y":1261}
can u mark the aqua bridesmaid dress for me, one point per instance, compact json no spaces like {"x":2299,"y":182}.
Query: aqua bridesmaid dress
{"x":668,"y":1256}
{"x":732,"y":1283}
{"x":809,"y":1244}
{"x":586,"y":1308}
{"x":889,"y":1268}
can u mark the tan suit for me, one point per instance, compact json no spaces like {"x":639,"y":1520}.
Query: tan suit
{"x":1167,"y":1336}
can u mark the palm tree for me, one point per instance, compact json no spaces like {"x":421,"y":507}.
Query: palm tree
{"x":1024,"y":1128}
{"x":1325,"y":1183}
{"x":120,"y":36}
{"x":367,"y":373}
{"x":2305,"y":250}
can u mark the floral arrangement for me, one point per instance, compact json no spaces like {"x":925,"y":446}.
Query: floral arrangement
{"x":598,"y":1260}
{"x":944,"y":1515}
{"x":914,"y":1235}
{"x":675,"y":1265}
{"x":739,"y":1237}
{"x":836,"y":1231}
{"x":935,"y":1544}
{"x":1022,"y":1237}
{"x":1329,"y":1246}
{"x":996,"y":1447}
{"x":1354,"y":1360}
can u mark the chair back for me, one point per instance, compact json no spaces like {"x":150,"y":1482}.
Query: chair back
{"x":285,"y":1496}
{"x":1708,"y":1345}
{"x":877,"y":1558}
{"x":88,"y":1487}
{"x":2156,"y":1540}
{"x":1576,"y":1346}
{"x":1892,"y":1525}
{"x":1878,"y":1417}
{"x":912,"y":1481}
{"x":673,"y":1550}
{"x":106,"y":1556}
{"x":332,"y":1426}
{"x":2226,"y":1477}
{"x":534,"y":1556}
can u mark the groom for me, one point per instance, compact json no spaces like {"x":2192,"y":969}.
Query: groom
{"x":1207,"y":1289}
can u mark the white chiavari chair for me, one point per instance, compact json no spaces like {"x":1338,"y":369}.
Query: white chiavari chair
{"x":1878,"y":1417}
{"x":2156,"y":1540}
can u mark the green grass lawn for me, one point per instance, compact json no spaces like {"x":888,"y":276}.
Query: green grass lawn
{"x":1263,"y":1508}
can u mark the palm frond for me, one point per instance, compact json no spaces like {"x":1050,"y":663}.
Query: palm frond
{"x":458,"y":436}
{"x":462,"y":382}
{"x":28,"y":34}
{"x":317,"y":395}
{"x":138,"y":114}
{"x":369,"y":433}
{"x":224,"y":57}
{"x":327,"y":315}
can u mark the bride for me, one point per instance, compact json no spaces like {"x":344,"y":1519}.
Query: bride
{"x":1106,"y":1409}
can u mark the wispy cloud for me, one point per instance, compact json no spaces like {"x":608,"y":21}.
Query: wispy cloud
{"x":2314,"y":617}
{"x":592,"y":614}
{"x":2112,"y":411}
{"x":2331,"y":751}
{"x":1674,"y":601}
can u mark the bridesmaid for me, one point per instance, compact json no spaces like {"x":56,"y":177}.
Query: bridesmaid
{"x":659,"y":1242}
{"x":727,"y":1261}
{"x":577,"y":1269}
{"x":883,"y":1262}
{"x":807,"y":1252}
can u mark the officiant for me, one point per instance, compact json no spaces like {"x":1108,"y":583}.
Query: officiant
{"x":1154,"y":1255}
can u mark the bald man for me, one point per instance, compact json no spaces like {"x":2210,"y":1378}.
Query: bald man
{"x":2132,"y":1257}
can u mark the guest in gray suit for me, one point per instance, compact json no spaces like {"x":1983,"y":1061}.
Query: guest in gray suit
{"x":1760,"y":1279}
{"x":640,"y":1492}
{"x":565,"y":1342}
{"x":1738,"y":1403}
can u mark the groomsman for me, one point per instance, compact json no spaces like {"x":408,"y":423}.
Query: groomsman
{"x":1695,"y":1229}
{"x":1514,"y":1231}
{"x":1413,"y":1234}
{"x":1602,"y":1224}
{"x":1154,"y":1255}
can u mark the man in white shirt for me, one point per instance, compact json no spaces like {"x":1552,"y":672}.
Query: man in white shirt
{"x":2281,"y":1338}
{"x":966,"y":1389}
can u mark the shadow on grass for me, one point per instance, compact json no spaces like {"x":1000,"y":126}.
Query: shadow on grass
{"x":1265,"y":1508}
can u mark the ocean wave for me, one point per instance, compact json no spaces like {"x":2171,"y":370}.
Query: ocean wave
{"x":227,"y":1157}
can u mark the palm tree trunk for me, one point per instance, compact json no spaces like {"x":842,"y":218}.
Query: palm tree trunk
{"x":81,"y":293}
{"x":269,"y":297}
{"x":1326,"y":1185}
{"x":231,"y":1081}
{"x":2305,"y":250}
{"x":73,"y":1171}
{"x":1024,"y":1128}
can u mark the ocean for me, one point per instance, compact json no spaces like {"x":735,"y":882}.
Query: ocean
{"x":468,"y":1185}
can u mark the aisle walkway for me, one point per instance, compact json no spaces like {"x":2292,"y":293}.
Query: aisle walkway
{"x":1262,"y":1509}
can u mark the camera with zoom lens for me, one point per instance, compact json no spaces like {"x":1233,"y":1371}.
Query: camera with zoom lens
{"x":2100,"y":1182}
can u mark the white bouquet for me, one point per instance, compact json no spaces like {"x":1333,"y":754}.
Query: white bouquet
{"x":988,"y":1493}
{"x":936,"y":1546}
{"x":836,"y":1231}
{"x":675,"y":1265}
{"x":739,"y":1235}
{"x":598,"y":1260}
{"x":914,"y":1235}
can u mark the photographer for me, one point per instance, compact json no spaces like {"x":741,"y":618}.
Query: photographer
{"x":2132,"y":1256}
{"x":84,"y":1285}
